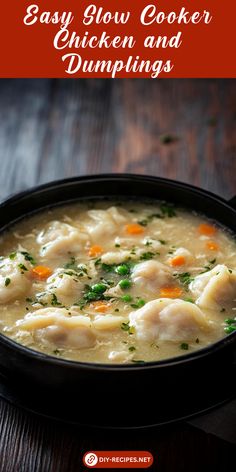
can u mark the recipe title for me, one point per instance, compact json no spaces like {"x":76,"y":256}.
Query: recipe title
{"x":76,"y":46}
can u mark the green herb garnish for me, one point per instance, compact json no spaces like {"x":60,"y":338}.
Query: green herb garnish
{"x":28,"y":257}
{"x":185,"y":278}
{"x":184,"y":346}
{"x":143,"y":222}
{"x":22,"y":267}
{"x":146,"y":256}
{"x":54,"y":301}
{"x":132,"y":348}
{"x":168,"y":210}
{"x":127,"y":328}
{"x":230,"y":329}
{"x":7,"y":281}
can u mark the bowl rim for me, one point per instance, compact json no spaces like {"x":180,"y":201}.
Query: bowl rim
{"x":169,"y":362}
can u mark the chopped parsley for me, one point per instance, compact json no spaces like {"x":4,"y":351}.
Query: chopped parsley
{"x":209,"y":266}
{"x":185,"y":278}
{"x":7,"y":281}
{"x":184,"y":346}
{"x":162,"y":241}
{"x":29,"y":300}
{"x":12,"y":256}
{"x":93,"y":293}
{"x":168,"y":210}
{"x":108,"y":267}
{"x":54,"y":300}
{"x":80,"y":269}
{"x":146,"y":256}
{"x":132,"y":348}
{"x":28,"y":257}
{"x":189,"y":300}
{"x":127,"y":328}
{"x":57,"y":352}
{"x":22,"y":267}
{"x":143,"y":222}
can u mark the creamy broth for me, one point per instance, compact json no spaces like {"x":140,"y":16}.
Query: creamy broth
{"x":117,"y":282}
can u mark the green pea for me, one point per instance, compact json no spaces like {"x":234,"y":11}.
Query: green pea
{"x":99,"y":288}
{"x":122,"y":269}
{"x":230,"y":329}
{"x":126,"y":298}
{"x":124,"y":284}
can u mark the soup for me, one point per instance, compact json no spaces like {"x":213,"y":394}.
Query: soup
{"x":117,"y":282}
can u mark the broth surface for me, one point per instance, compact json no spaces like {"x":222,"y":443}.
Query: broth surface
{"x":117,"y":282}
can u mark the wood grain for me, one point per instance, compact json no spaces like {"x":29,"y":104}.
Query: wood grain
{"x":51,"y":129}
{"x":55,"y":129}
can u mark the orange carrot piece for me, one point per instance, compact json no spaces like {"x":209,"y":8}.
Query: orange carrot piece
{"x":100,"y":307}
{"x":134,"y":228}
{"x":177,"y":261}
{"x":212,"y":246}
{"x":41,"y":272}
{"x":170,"y":292}
{"x":95,"y":251}
{"x":206,"y":229}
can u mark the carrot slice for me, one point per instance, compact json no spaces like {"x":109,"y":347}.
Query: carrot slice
{"x":41,"y":272}
{"x":134,"y":228}
{"x":206,"y":229}
{"x":170,"y":292}
{"x":95,"y":251}
{"x":177,"y":261}
{"x":212,"y":246}
{"x":100,"y":307}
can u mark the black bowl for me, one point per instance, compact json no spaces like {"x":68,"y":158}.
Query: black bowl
{"x":118,"y":395}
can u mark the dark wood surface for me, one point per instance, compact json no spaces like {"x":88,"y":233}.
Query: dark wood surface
{"x":51,"y":129}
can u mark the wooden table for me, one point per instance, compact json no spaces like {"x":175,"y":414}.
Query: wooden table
{"x":50,"y":129}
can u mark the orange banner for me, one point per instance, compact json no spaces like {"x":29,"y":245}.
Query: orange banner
{"x":122,"y":38}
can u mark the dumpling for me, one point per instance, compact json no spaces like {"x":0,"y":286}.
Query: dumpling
{"x":151,"y":275}
{"x":215,"y":287}
{"x":60,"y":328}
{"x":165,"y":319}
{"x":15,"y":280}
{"x":66,"y":285}
{"x":59,"y":238}
{"x":104,"y":222}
